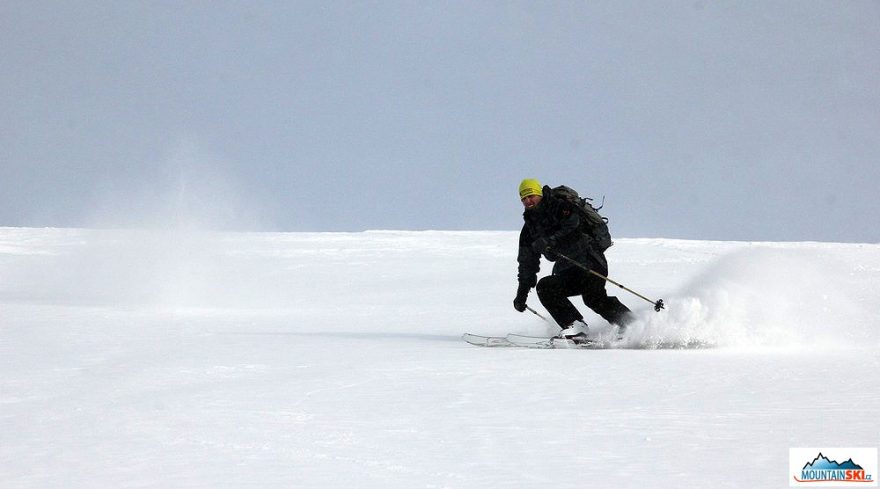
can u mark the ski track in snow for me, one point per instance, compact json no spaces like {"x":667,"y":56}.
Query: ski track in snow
{"x":192,"y":359}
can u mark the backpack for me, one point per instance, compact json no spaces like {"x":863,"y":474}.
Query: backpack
{"x":592,"y":224}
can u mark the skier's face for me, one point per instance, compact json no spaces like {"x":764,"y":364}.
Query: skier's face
{"x":531,"y":201}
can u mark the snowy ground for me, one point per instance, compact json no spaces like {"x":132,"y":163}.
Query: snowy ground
{"x":184,"y":359}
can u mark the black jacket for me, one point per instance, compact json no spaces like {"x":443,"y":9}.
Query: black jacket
{"x":557,"y":221}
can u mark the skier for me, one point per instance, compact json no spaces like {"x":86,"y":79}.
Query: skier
{"x":553,"y":224}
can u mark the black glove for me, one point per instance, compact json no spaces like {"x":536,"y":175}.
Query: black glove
{"x":542,"y":245}
{"x":522,"y":293}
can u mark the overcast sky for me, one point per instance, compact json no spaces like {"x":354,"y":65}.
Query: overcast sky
{"x":745,"y":120}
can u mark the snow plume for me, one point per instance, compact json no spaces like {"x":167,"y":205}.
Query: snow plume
{"x":112,"y":267}
{"x":188,"y":189}
{"x":768,"y":296}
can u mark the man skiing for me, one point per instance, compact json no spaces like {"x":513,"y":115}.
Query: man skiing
{"x":552,"y":225}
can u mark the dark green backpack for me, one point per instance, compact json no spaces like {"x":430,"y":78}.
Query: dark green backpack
{"x":592,"y":224}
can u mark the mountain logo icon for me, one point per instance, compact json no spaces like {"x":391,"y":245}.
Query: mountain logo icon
{"x":821,"y":462}
{"x":824,"y":469}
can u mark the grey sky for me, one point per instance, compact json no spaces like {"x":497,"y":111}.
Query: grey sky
{"x":697,"y":119}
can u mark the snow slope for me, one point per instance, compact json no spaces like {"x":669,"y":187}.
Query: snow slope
{"x":187,"y":359}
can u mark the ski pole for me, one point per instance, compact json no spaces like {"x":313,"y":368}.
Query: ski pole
{"x":536,"y":313}
{"x":657,"y":304}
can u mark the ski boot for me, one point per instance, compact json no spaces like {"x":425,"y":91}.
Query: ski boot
{"x":621,"y":324}
{"x":576,"y":332}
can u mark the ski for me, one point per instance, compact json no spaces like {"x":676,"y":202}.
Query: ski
{"x":554,"y":342}
{"x":515,"y":340}
{"x":530,"y":341}
{"x":489,"y":341}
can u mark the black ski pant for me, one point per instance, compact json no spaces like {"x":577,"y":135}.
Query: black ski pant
{"x":554,"y":291}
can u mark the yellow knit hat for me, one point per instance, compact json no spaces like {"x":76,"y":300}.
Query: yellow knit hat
{"x":530,"y":186}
